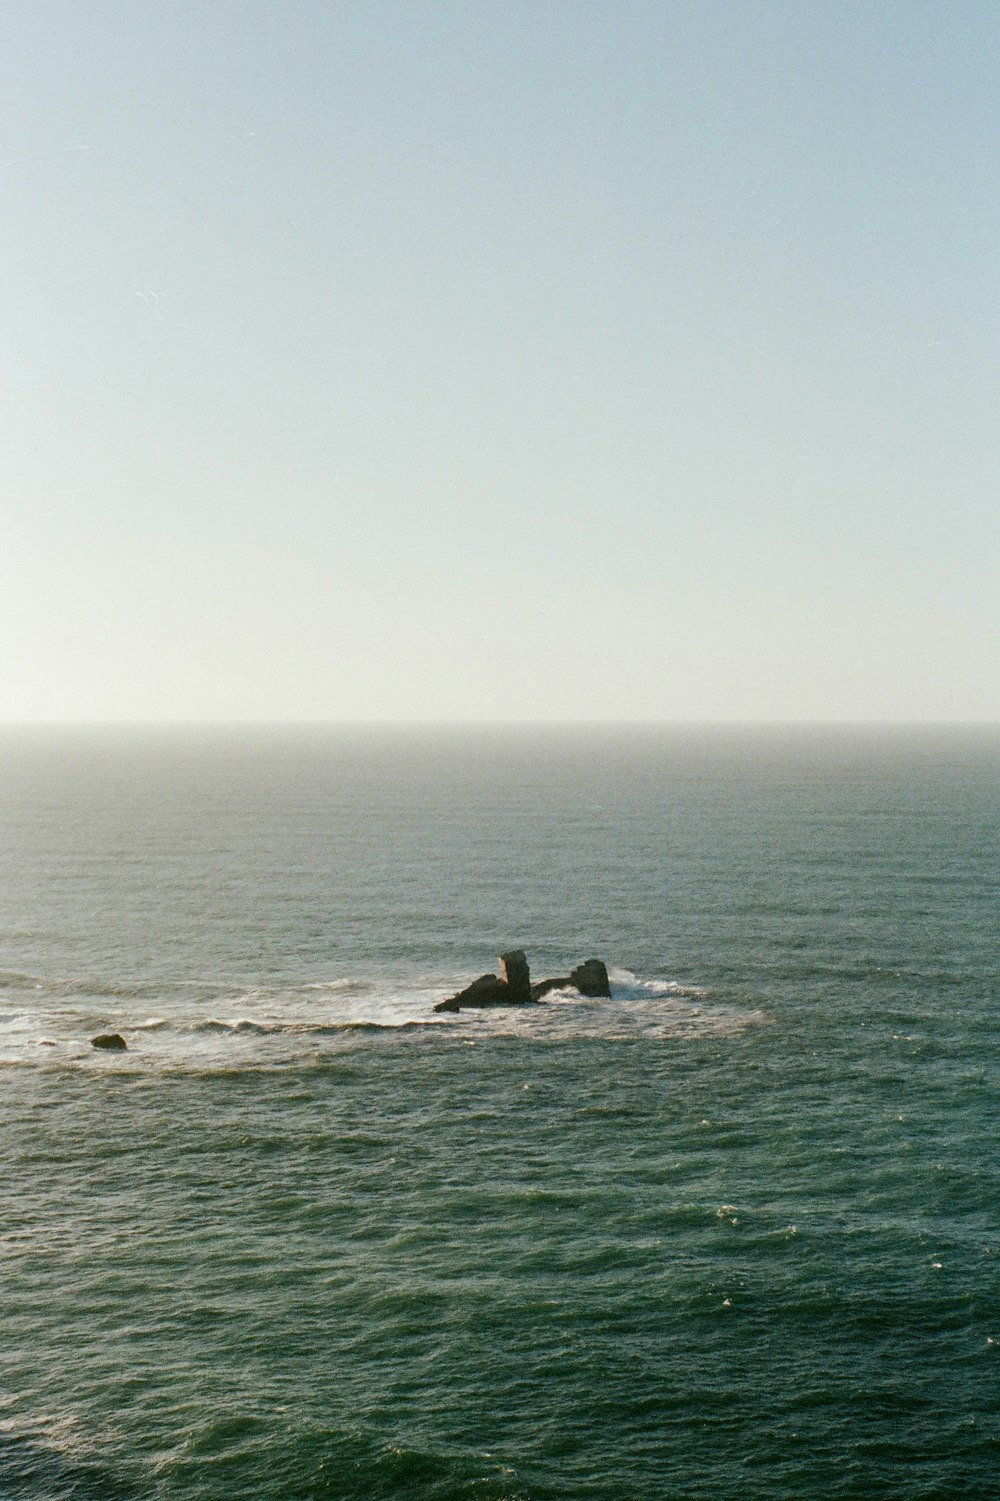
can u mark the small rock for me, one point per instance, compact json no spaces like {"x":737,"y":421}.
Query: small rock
{"x":112,"y":1042}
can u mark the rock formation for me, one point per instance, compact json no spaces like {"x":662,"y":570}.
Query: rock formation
{"x":112,"y":1042}
{"x":513,"y":987}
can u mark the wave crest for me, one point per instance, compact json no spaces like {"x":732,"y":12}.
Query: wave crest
{"x":627,"y":986}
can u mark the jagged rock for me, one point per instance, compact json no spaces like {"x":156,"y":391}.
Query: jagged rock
{"x":544,"y":986}
{"x":516,"y":976}
{"x":112,"y":1042}
{"x":486,"y":991}
{"x":591,"y":978}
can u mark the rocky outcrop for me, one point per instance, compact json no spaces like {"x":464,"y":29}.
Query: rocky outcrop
{"x":513,"y":986}
{"x":111,"y":1042}
{"x":591,"y":979}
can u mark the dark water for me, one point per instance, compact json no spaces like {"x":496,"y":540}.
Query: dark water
{"x":733,"y":1233}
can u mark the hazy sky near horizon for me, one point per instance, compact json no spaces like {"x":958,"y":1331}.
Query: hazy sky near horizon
{"x":480,"y":360}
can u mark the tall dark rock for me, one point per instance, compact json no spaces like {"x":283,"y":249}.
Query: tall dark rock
{"x":516,"y":976}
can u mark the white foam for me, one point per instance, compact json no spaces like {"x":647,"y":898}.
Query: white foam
{"x":277,"y":1025}
{"x":236,"y":1024}
{"x":341,"y":987}
{"x":626,"y":985}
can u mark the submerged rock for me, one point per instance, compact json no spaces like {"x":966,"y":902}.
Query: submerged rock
{"x":544,"y":986}
{"x":112,"y":1042}
{"x":591,"y":978}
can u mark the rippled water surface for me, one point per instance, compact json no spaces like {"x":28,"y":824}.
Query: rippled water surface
{"x":733,"y":1232}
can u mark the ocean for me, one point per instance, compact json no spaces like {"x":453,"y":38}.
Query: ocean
{"x":733,"y":1232}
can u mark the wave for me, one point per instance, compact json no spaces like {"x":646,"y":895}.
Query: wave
{"x":239,"y":1024}
{"x":243,"y":1025}
{"x":627,"y":986}
{"x":339,"y":987}
{"x":88,"y":985}
{"x":32,"y":1465}
{"x":130,"y":990}
{"x":12,"y":980}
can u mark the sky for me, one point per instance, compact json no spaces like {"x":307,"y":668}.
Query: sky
{"x":474,"y":361}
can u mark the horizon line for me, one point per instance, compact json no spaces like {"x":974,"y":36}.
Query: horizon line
{"x":487,"y":723}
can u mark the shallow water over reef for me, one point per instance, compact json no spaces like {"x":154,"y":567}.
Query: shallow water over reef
{"x":733,"y":1232}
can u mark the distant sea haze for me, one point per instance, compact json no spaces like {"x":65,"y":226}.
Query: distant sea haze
{"x":732,"y":1232}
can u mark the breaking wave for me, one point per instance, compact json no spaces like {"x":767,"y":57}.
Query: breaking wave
{"x":627,"y":986}
{"x":243,"y":1025}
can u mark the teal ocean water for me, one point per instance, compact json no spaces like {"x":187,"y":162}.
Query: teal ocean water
{"x":734,"y":1232}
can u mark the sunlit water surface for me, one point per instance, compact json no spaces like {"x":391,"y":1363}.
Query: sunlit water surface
{"x":733,"y":1232}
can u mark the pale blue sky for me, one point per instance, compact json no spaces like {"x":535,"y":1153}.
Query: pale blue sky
{"x":459,"y":361}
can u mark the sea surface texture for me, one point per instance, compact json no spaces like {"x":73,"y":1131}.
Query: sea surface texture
{"x":733,"y":1233}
